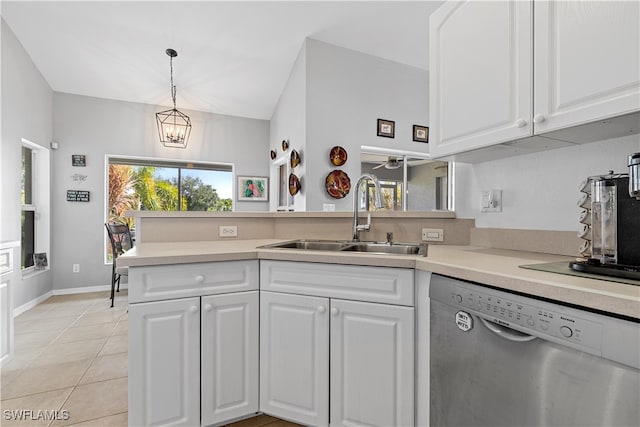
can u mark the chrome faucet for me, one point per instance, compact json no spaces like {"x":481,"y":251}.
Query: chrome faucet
{"x":378,"y":203}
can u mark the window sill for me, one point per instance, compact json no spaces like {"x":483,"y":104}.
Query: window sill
{"x":29,"y":273}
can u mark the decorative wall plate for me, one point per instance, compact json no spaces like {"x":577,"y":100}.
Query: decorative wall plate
{"x":338,"y":156}
{"x":337,"y":184}
{"x":294,"y":184}
{"x":285,"y":144}
{"x":273,"y":154}
{"x":295,"y":158}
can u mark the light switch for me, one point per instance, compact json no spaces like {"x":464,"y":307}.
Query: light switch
{"x":491,"y":201}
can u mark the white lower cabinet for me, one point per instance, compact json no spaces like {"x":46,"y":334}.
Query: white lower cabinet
{"x":164,"y":363}
{"x":229,"y":356}
{"x":294,"y":357}
{"x":359,"y":356}
{"x":372,"y":364}
{"x":193,"y":361}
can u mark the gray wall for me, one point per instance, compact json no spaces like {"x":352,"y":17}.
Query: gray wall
{"x":347,"y":91}
{"x":26,"y":113}
{"x":540,"y":190}
{"x":288,"y":122}
{"x":342,"y":95}
{"x":96,"y":127}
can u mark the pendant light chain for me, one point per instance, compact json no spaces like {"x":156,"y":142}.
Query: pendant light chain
{"x":173,"y":87}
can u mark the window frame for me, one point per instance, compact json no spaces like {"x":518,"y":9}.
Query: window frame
{"x":40,"y":204}
{"x":158,"y":162}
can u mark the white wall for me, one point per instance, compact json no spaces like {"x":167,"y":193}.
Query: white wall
{"x":347,"y":91}
{"x":289,"y":122}
{"x":27,"y":102}
{"x":97,"y":127}
{"x":540,"y":190}
{"x":334,"y":96}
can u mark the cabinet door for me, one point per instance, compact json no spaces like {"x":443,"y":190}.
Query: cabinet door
{"x":229,"y":356}
{"x":294,"y":357}
{"x":480,"y":83}
{"x":164,"y":363}
{"x":6,"y":319}
{"x":587,"y":57}
{"x":372,"y":364}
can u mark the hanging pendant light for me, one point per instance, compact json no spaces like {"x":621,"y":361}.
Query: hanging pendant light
{"x":174,"y":127}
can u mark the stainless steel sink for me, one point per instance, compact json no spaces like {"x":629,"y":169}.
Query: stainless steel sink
{"x":311,"y":245}
{"x":386,"y":248}
{"x":351,"y":246}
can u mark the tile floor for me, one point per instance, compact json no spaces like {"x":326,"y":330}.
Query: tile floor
{"x":71,"y":356}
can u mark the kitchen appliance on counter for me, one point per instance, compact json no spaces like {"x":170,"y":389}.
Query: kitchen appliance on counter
{"x":501,"y":359}
{"x":611,"y":223}
{"x":634,"y":175}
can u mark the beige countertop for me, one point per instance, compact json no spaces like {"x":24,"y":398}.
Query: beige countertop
{"x":495,"y":267}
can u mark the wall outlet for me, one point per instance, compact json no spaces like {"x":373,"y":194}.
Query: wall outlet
{"x":76,"y":268}
{"x":433,"y":234}
{"x":228,"y":231}
{"x":491,"y":201}
{"x":328,"y":207}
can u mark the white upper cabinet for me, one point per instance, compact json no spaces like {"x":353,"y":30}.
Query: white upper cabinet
{"x":586,"y":60}
{"x":505,"y":71}
{"x":480,"y":80}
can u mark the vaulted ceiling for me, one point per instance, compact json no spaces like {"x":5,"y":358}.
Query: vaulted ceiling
{"x":233,"y":57}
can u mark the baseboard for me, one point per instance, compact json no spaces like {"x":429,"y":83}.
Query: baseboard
{"x":87,"y":289}
{"x":30,"y":304}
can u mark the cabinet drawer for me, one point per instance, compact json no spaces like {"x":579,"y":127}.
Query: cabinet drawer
{"x":186,"y":280}
{"x":374,"y":284}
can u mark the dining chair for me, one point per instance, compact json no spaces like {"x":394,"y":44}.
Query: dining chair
{"x":121,"y":241}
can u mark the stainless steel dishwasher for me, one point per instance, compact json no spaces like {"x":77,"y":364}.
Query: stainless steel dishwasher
{"x":501,"y":359}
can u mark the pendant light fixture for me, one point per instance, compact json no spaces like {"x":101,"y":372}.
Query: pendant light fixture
{"x":174,"y":127}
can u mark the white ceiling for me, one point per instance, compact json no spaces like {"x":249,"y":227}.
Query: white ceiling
{"x":233,"y":57}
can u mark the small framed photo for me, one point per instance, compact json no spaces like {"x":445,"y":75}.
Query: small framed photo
{"x":253,"y":189}
{"x":386,"y":128}
{"x":40,"y":260}
{"x":421,"y":133}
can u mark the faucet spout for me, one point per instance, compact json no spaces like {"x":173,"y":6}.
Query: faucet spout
{"x":378,"y":204}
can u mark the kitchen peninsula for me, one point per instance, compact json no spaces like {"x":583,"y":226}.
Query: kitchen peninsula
{"x":251,"y":293}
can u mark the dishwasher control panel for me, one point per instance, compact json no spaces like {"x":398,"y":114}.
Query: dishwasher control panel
{"x":525,"y":314}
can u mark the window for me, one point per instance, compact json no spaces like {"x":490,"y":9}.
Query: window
{"x":160,"y":185}
{"x":34,"y":201}
{"x":28,"y":209}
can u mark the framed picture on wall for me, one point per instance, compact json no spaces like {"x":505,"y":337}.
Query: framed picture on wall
{"x":253,"y":189}
{"x":421,"y":133}
{"x":386,"y":128}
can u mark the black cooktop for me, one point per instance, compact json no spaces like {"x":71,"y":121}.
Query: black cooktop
{"x":615,"y":270}
{"x":563,"y":268}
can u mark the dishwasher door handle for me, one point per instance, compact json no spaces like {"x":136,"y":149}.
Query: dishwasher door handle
{"x":506,"y":333}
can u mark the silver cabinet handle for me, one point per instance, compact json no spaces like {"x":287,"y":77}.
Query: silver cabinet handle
{"x":334,"y":311}
{"x":193,"y":309}
{"x":321,"y":309}
{"x":199,"y":278}
{"x":208,"y":307}
{"x":521,"y":123}
{"x":539,"y":118}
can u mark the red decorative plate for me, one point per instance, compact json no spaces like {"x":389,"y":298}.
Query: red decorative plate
{"x":295,"y":158}
{"x":338,"y":155}
{"x":337,"y":184}
{"x":294,"y":184}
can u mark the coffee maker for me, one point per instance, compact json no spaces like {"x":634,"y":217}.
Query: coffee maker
{"x":611,"y":223}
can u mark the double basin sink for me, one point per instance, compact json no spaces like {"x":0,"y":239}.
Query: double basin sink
{"x":353,"y":246}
